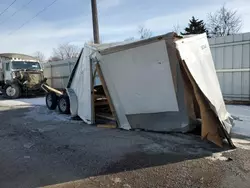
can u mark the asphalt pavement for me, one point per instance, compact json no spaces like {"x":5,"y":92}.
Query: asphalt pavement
{"x":41,"y":148}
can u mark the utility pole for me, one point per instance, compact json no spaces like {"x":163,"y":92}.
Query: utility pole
{"x":95,"y":22}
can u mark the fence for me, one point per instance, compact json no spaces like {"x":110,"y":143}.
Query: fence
{"x":232,"y":62}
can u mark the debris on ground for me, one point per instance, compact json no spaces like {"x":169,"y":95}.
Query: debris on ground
{"x":28,"y":145}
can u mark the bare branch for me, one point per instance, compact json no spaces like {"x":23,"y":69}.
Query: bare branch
{"x":224,"y":22}
{"x":39,"y":56}
{"x":144,"y":32}
{"x":65,"y":51}
{"x":177,"y":29}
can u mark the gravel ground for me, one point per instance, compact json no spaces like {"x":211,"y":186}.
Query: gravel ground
{"x":40,"y":148}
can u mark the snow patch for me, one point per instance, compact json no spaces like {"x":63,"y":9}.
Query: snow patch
{"x":28,"y":145}
{"x":41,"y":113}
{"x":241,"y":116}
{"x":116,"y":180}
{"x":47,"y":128}
{"x":155,"y":148}
{"x":217,"y":156}
{"x":242,"y":144}
{"x":23,"y":102}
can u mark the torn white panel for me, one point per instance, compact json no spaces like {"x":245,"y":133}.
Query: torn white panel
{"x":81,"y":84}
{"x":195,"y":51}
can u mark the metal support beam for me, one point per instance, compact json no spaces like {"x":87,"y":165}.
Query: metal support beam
{"x":233,"y":70}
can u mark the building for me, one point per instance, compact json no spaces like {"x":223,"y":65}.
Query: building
{"x":15,"y":56}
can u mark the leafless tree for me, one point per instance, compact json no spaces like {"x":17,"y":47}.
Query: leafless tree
{"x":144,"y":33}
{"x":39,"y":56}
{"x":177,"y":29}
{"x":224,"y":22}
{"x":91,"y":41}
{"x":65,"y":51}
{"x":51,"y":59}
{"x":130,"y":39}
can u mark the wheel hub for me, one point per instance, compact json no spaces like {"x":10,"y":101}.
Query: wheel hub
{"x":49,"y":100}
{"x":63,"y":104}
{"x":10,"y":91}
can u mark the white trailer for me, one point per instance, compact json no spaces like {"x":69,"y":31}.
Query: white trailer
{"x":159,"y":84}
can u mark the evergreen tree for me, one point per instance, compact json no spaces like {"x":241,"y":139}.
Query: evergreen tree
{"x":195,"y":26}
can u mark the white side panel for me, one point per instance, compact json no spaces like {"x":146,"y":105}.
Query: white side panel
{"x":141,"y":79}
{"x":197,"y":55}
{"x":81,"y":85}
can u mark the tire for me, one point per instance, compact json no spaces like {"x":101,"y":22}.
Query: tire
{"x":12,"y":91}
{"x":51,"y":101}
{"x":64,"y":104}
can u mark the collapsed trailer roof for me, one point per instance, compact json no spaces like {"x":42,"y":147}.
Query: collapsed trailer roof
{"x":165,"y":83}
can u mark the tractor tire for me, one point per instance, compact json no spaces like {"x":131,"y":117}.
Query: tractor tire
{"x":12,"y":91}
{"x":64,"y":104}
{"x":51,"y":100}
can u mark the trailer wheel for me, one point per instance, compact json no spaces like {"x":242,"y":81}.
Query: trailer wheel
{"x":12,"y":91}
{"x":51,"y":100}
{"x":64,"y":104}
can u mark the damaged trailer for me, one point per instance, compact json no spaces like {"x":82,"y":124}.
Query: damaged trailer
{"x":165,"y":83}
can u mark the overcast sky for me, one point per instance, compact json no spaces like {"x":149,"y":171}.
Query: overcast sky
{"x":70,"y":20}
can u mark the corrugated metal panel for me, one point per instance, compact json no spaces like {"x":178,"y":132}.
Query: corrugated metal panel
{"x":232,"y":62}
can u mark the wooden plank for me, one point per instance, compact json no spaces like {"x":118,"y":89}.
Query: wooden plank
{"x":108,"y":126}
{"x":99,"y":96}
{"x":104,"y":116}
{"x":101,"y":103}
{"x":92,"y":93}
{"x":94,"y":75}
{"x":105,"y":88}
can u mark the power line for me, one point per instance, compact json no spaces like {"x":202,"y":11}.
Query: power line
{"x":7,"y":8}
{"x":16,"y":12}
{"x":41,"y":11}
